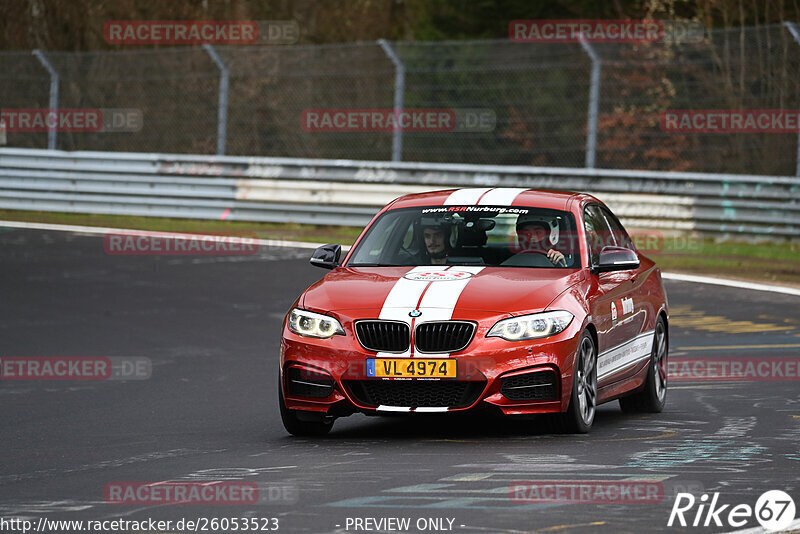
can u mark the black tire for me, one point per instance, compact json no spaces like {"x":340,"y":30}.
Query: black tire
{"x":297,"y":427}
{"x":654,"y":395}
{"x":579,"y":416}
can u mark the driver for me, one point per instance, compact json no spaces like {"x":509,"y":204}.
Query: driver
{"x":533,"y":235}
{"x":437,"y":242}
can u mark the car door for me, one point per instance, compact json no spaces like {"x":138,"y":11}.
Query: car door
{"x":614,"y":307}
{"x":638,"y":310}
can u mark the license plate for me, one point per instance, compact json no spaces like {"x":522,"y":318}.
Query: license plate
{"x":411,"y":368}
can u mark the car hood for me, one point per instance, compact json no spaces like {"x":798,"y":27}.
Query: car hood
{"x":387,"y":291}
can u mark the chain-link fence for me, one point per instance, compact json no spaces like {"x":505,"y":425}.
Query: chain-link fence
{"x":540,"y":94}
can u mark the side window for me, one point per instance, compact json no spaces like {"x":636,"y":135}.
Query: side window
{"x":620,"y":235}
{"x":372,"y":248}
{"x":598,"y":233}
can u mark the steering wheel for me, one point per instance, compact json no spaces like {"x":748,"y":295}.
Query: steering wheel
{"x":405,"y":257}
{"x":544,"y":253}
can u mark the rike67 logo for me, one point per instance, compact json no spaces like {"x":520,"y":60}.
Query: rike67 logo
{"x":774,"y":510}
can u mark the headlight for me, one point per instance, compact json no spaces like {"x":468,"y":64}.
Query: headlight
{"x":531,"y":326}
{"x":310,"y":324}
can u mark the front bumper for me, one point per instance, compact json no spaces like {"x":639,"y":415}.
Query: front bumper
{"x":329,"y":376}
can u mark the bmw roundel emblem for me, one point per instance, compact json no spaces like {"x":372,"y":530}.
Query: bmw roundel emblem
{"x":414,"y":313}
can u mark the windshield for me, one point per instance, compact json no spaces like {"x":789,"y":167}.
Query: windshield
{"x":471,"y":235}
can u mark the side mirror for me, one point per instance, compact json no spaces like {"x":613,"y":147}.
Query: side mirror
{"x":326,"y":256}
{"x":616,"y":259}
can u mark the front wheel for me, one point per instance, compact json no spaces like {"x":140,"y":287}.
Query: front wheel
{"x":295,"y":425}
{"x":654,"y":395}
{"x":579,"y":416}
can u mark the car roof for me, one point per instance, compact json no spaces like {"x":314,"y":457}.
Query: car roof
{"x":529,"y":197}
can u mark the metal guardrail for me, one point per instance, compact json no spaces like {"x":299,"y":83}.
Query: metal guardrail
{"x":347,"y":192}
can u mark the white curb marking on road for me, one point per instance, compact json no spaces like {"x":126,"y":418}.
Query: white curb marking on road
{"x":731,"y":283}
{"x":148,"y":233}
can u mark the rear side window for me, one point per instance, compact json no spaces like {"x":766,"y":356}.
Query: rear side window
{"x":621,"y":237}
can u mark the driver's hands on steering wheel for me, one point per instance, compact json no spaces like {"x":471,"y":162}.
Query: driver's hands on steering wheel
{"x":556,"y":257}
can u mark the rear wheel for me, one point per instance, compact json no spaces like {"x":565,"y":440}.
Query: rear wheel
{"x":654,"y":396}
{"x":301,"y":423}
{"x":579,"y":416}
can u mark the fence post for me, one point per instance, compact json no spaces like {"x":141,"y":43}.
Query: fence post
{"x":399,"y":90}
{"x":594,"y":99}
{"x":51,"y":129}
{"x":796,"y":36}
{"x":222,"y":106}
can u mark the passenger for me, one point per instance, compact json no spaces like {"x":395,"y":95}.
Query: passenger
{"x":533,"y":234}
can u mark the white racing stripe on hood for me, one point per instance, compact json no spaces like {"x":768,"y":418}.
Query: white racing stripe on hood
{"x":402,"y":298}
{"x":502,"y":196}
{"x":440,"y":299}
{"x":437,"y":304}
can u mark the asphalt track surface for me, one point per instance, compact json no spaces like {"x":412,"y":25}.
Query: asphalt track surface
{"x":210,"y":325}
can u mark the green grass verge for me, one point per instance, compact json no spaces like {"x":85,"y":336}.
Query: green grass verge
{"x":766,"y":262}
{"x":762,"y":262}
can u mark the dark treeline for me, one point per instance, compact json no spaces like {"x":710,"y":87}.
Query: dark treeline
{"x":77,"y":25}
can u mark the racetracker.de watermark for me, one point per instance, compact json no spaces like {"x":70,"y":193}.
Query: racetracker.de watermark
{"x":587,"y":491}
{"x":648,"y":242}
{"x":604,"y":31}
{"x":726,"y":121}
{"x":164,"y":244}
{"x":733,"y":369}
{"x":31,"y":120}
{"x":75,"y":368}
{"x":194,"y":32}
{"x":390,"y":120}
{"x":171,"y":492}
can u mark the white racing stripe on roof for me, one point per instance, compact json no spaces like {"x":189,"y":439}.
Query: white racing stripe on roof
{"x":502,"y":196}
{"x":465,"y":197}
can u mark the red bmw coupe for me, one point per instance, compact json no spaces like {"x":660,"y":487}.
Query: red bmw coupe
{"x":526,"y":301}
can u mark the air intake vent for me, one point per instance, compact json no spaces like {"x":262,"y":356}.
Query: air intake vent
{"x":383,"y":336}
{"x":303,"y":383}
{"x":445,"y":336}
{"x":540,"y":385}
